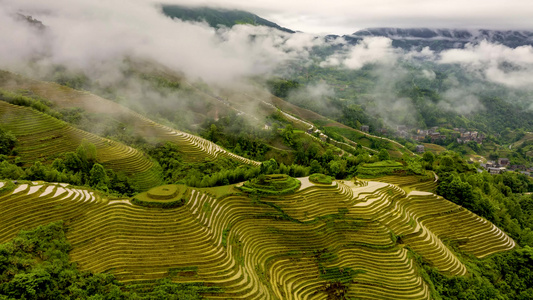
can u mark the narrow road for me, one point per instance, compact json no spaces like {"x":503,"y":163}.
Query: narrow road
{"x":359,"y":131}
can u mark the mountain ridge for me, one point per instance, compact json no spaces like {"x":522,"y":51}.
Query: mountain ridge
{"x":218,"y":16}
{"x":444,"y":38}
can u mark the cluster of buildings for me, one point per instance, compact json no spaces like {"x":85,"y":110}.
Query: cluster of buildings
{"x":417,"y":134}
{"x":503,"y":165}
{"x":467,"y":136}
{"x":462,"y":136}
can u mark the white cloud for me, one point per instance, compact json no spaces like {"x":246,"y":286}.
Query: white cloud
{"x":460,"y":101}
{"x":95,"y":36}
{"x":369,"y":50}
{"x":497,"y":63}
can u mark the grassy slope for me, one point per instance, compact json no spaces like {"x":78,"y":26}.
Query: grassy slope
{"x":394,"y":148}
{"x":193,"y":148}
{"x":44,"y":138}
{"x":287,"y":247}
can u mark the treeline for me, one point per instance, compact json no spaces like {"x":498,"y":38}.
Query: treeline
{"x":209,"y":173}
{"x":235,"y":133}
{"x":35,"y":265}
{"x":76,"y":168}
{"x":28,"y":99}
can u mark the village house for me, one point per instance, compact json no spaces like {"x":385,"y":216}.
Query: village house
{"x":422,"y":132}
{"x":503,"y":161}
{"x":419,"y":148}
{"x":468,"y":136}
{"x":436,"y":136}
{"x":495,"y":171}
{"x":403,"y":133}
{"x":419,"y":137}
{"x":490,"y":164}
{"x":401,"y":128}
{"x":517,"y":167}
{"x":365,"y":128}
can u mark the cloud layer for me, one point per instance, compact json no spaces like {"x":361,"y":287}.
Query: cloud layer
{"x":496,"y":63}
{"x":346,"y":16}
{"x":95,"y":36}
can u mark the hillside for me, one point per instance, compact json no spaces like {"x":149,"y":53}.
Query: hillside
{"x":217,"y":17}
{"x":193,"y":148}
{"x":353,"y":238}
{"x":44,"y":138}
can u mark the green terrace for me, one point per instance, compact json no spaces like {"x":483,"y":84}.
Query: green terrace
{"x":381,"y":168}
{"x":44,"y":138}
{"x":165,"y":196}
{"x":193,"y":148}
{"x":350,"y":237}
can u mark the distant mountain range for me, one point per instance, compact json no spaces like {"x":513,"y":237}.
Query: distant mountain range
{"x":441,"y":39}
{"x":406,"y":38}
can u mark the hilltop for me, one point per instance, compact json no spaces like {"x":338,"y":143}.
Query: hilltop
{"x":216,"y":17}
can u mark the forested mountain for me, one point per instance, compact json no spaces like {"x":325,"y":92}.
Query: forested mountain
{"x":216,"y":17}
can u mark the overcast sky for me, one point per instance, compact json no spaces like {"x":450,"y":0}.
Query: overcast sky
{"x":347,"y":16}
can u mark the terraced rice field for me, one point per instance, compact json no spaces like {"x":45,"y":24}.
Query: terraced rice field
{"x":284,"y":247}
{"x":193,"y":148}
{"x":411,"y":183}
{"x":44,"y":138}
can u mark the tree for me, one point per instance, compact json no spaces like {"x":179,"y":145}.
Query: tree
{"x":269,"y":166}
{"x":288,"y":134}
{"x":337,"y":168}
{"x":428,"y":157}
{"x":37,"y":171}
{"x":86,"y":152}
{"x":72,"y":162}
{"x":7,"y":142}
{"x":457,"y":191}
{"x":212,"y":133}
{"x":98,"y":177}
{"x":315,"y":167}
{"x":383,"y":154}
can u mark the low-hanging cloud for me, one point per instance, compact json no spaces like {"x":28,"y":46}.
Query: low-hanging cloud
{"x":95,"y":36}
{"x":460,"y":101}
{"x":512,"y":67}
{"x":368,"y":50}
{"x":314,"y":96}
